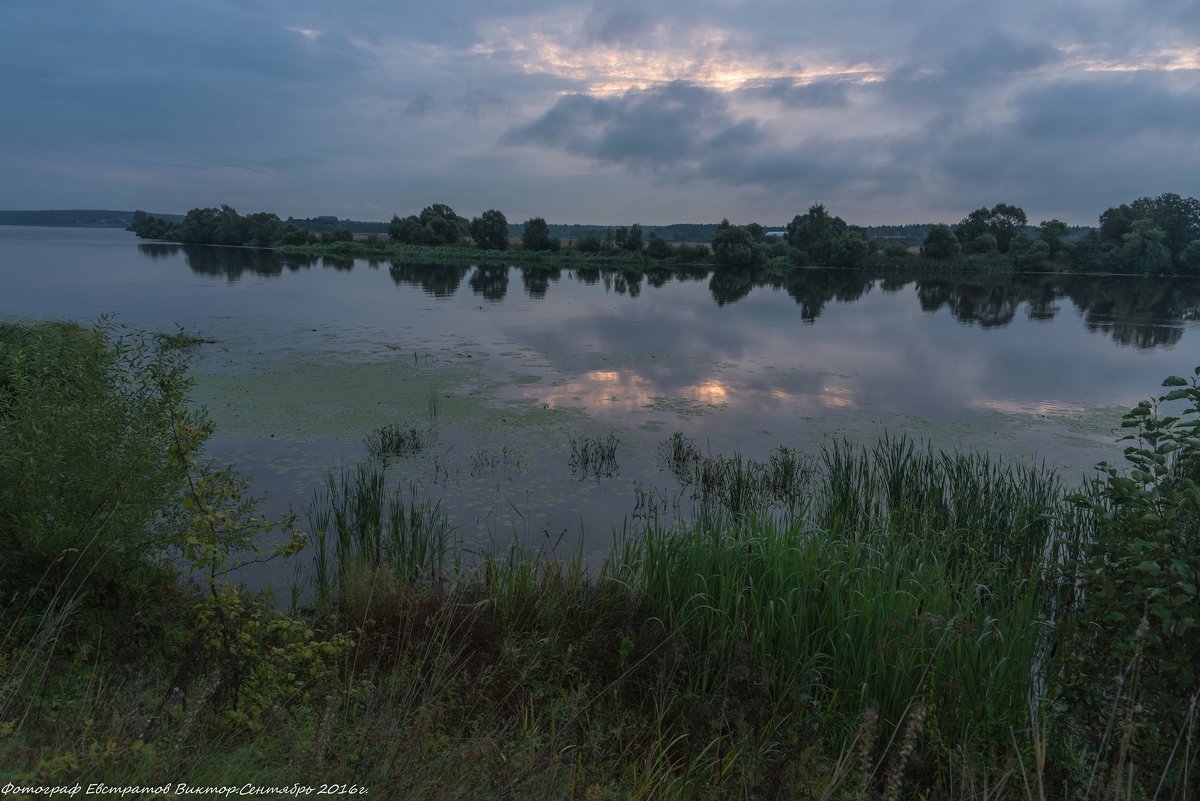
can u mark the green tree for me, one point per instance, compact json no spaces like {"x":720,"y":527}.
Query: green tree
{"x":972,"y":227}
{"x":814,"y":232}
{"x":293,"y":236}
{"x":1088,"y":252}
{"x":1053,"y":233}
{"x":1189,"y":259}
{"x":490,"y":230}
{"x":536,"y":235}
{"x":1143,"y":250}
{"x":848,"y":249}
{"x":1115,"y":222}
{"x":1002,"y":221}
{"x":733,"y":246}
{"x":263,"y":229}
{"x":1177,"y":217}
{"x":985,"y":244}
{"x":659,"y":248}
{"x":588,"y":244}
{"x":442,"y":226}
{"x":408,"y":231}
{"x":1031,"y":256}
{"x":633,"y":242}
{"x":941,"y":243}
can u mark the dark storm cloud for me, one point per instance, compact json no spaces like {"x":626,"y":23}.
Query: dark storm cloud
{"x":640,"y":130}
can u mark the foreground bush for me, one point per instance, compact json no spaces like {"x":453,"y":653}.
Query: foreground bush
{"x":89,"y":465}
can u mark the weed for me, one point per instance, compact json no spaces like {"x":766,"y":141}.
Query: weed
{"x":398,"y":440}
{"x":594,"y":456}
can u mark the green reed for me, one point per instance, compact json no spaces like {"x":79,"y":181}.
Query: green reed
{"x":906,"y":574}
{"x":358,"y":521}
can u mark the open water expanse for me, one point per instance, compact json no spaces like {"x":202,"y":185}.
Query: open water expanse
{"x":506,"y":373}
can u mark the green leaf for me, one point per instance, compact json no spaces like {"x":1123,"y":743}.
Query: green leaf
{"x":1175,"y":381}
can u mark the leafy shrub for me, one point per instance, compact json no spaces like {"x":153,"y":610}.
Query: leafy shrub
{"x":91,"y":428}
{"x":1138,"y":631}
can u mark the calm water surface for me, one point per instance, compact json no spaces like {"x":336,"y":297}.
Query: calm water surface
{"x":506,"y":368}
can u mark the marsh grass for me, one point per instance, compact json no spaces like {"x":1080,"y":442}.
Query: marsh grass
{"x":358,"y":521}
{"x":399,"y":440}
{"x":733,"y":482}
{"x":594,"y":456}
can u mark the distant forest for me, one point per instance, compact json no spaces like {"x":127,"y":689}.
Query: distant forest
{"x":912,"y":234}
{"x":76,"y":218}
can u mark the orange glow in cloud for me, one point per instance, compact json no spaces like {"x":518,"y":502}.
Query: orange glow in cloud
{"x":705,"y":56}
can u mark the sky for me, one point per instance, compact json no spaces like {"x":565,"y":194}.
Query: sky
{"x":609,"y":113}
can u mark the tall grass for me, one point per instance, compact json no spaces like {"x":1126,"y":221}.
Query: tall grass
{"x":359,"y":522}
{"x":907,"y":574}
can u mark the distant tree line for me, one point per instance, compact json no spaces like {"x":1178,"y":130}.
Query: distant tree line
{"x":224,"y":226}
{"x":1158,"y":235}
{"x":74,"y":218}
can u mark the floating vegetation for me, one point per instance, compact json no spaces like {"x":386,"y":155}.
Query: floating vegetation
{"x":398,"y":440}
{"x":181,"y":340}
{"x":594,"y":456}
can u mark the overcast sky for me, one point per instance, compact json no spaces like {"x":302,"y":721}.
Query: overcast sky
{"x":683,"y":111}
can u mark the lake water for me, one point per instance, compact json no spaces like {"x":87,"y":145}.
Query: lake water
{"x":504,"y":371}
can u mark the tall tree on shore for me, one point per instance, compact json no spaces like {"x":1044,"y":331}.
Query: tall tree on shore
{"x":941,"y":243}
{"x":1003,"y":221}
{"x":536,"y":235}
{"x":490,"y":230}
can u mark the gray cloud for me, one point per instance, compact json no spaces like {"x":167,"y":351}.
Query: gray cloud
{"x":1115,"y":106}
{"x":904,"y":113}
{"x":641,"y":130}
{"x":815,"y":94}
{"x":420,"y":106}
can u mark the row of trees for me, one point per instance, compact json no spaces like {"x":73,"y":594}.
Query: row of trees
{"x":439,"y":225}
{"x":815,"y":237}
{"x":224,"y":226}
{"x":1151,"y":236}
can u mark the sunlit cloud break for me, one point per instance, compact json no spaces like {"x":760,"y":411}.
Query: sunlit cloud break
{"x":702,"y":55}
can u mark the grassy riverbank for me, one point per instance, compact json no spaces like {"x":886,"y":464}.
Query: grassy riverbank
{"x":878,"y":622}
